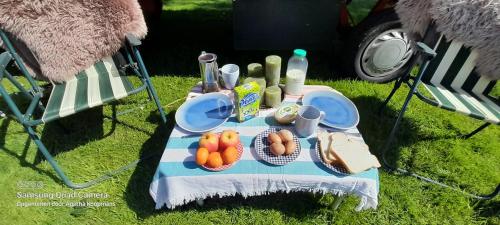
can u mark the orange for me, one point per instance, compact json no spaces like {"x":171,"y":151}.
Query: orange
{"x":201,"y":156}
{"x":214,"y":160}
{"x":230,"y":155}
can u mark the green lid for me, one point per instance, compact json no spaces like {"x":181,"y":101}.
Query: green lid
{"x":300,"y":52}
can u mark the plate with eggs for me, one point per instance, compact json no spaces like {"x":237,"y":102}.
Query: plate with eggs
{"x":277,"y":146}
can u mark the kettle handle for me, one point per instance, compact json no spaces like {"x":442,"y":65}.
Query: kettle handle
{"x":221,"y":80}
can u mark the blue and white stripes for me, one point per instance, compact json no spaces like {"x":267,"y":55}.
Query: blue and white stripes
{"x":179,"y":180}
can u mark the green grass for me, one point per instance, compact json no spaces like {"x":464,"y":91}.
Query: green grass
{"x":427,"y":132}
{"x":178,"y":5}
{"x":359,"y":9}
{"x":91,"y":144}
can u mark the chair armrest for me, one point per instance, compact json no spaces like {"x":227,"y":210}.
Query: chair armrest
{"x":425,"y":50}
{"x":132,"y":40}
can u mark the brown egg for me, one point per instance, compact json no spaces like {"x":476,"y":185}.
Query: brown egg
{"x":285,"y":135}
{"x":277,"y":149}
{"x":290,"y":147}
{"x":273,"y":138}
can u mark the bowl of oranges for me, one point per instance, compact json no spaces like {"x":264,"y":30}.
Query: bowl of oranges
{"x":219,"y":151}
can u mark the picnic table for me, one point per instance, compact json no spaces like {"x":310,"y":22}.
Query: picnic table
{"x":179,"y":180}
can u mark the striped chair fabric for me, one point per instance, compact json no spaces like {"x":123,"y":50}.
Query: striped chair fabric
{"x":101,"y":83}
{"x":453,"y":82}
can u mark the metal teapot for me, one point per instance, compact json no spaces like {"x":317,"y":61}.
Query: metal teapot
{"x":209,"y":72}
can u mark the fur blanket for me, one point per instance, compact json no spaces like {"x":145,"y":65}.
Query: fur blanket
{"x":476,"y":23}
{"x":59,"y":38}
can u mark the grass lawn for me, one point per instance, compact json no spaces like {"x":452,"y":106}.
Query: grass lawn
{"x":90,"y":143}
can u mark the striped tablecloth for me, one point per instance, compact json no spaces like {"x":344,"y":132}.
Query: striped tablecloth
{"x":178,"y":180}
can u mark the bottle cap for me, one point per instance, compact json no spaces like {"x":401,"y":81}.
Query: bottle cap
{"x":300,"y":52}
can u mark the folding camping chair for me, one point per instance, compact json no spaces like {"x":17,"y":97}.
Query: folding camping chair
{"x":102,"y":83}
{"x":447,"y":71}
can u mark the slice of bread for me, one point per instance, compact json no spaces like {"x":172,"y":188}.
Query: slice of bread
{"x":324,"y":146}
{"x":339,"y":138}
{"x":331,"y":155}
{"x":354,"y":155}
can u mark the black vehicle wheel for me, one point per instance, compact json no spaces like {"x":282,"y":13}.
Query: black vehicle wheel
{"x":380,"y":49}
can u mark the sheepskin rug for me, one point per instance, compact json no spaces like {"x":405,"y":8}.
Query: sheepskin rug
{"x":59,"y":38}
{"x":476,"y":23}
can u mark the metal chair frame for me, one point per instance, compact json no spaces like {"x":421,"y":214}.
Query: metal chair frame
{"x":35,"y":94}
{"x":423,"y":57}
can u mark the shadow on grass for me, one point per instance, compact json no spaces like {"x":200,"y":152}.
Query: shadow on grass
{"x":173,"y":45}
{"x":137,"y":194}
{"x":139,"y":200}
{"x":377,"y":127}
{"x":23,"y":162}
{"x":58,"y":136}
{"x":488,"y":208}
{"x":73,"y":131}
{"x":68,"y":133}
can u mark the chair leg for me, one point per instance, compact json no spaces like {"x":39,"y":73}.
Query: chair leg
{"x":41,"y":147}
{"x":393,"y":91}
{"x":467,"y":136}
{"x":150,"y":95}
{"x":492,"y":194}
{"x":394,"y":129}
{"x":157,"y":101}
{"x":200,"y":201}
{"x":338,"y":200}
{"x":48,"y":156}
{"x":391,"y":168}
{"x":147,"y":79}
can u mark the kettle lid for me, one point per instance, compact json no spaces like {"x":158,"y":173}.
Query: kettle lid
{"x":207,"y":57}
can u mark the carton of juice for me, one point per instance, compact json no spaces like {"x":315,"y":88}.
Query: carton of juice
{"x":247,"y":100}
